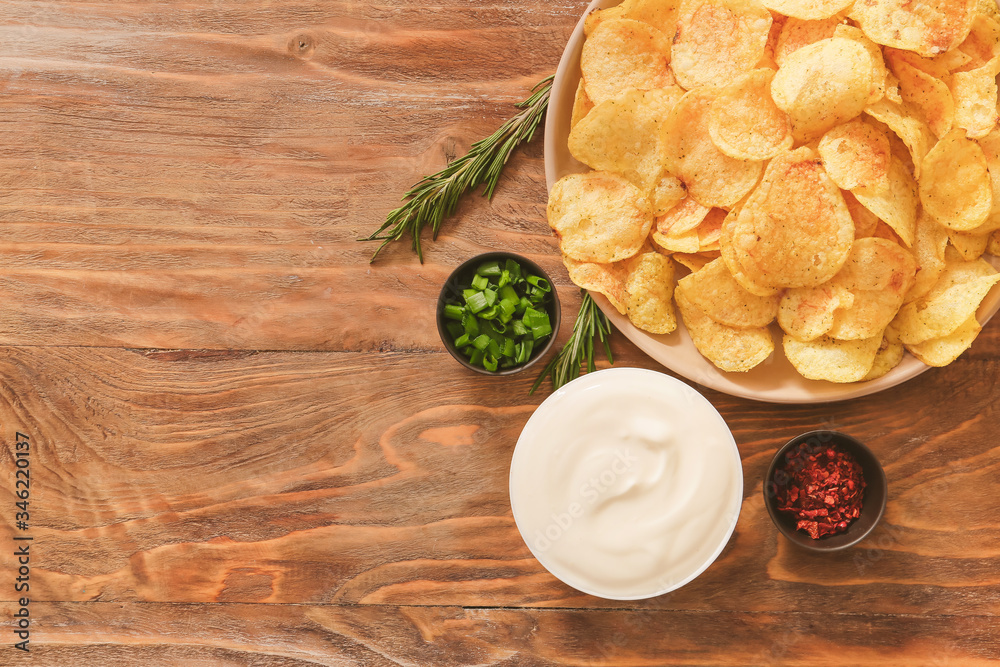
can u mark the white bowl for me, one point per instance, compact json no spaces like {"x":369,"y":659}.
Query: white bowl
{"x":626,"y":483}
{"x":775,"y":380}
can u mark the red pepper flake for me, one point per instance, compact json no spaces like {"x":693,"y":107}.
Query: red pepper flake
{"x":824,"y":488}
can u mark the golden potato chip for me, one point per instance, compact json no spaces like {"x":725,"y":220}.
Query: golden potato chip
{"x":693,"y":261}
{"x":598,"y":217}
{"x":806,"y":313}
{"x":710,"y":230}
{"x":927,"y":94}
{"x":856,"y":154}
{"x":832,"y":360}
{"x":955,"y":187}
{"x":606,"y":279}
{"x":718,"y":39}
{"x":596,"y":17}
{"x":865,"y":221}
{"x":953,"y":300}
{"x":767,"y":60}
{"x":744,"y":122}
{"x":879,"y":71}
{"x":897,"y":205}
{"x":712,"y":177}
{"x":730,"y":349}
{"x":796,"y":33}
{"x":993,"y":247}
{"x":929,"y":245}
{"x":890,"y":353}
{"x":666,"y":194}
{"x":928,"y":27}
{"x":878,"y":273}
{"x":983,"y":42}
{"x":795,"y":229}
{"x":989,"y":8}
{"x":715,"y":292}
{"x":822,"y":85}
{"x":686,"y":242}
{"x":685,"y":216}
{"x":953,"y":60}
{"x":990,"y":144}
{"x":661,"y":14}
{"x":581,"y":105}
{"x":931,"y":66}
{"x":969,"y":246}
{"x":943,"y":350}
{"x":650,"y":288}
{"x":623,"y":135}
{"x":622,"y":54}
{"x":905,"y":125}
{"x":808,"y":9}
{"x":975,"y":94}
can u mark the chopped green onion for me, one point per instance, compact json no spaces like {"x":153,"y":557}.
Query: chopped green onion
{"x":480,"y":282}
{"x":481,"y":342}
{"x":514,"y":269}
{"x":493,"y":348}
{"x":488,"y":269}
{"x":517,"y":328}
{"x":540,"y":283}
{"x":489,"y":313}
{"x":477,"y":357}
{"x":541,"y":331}
{"x":508,"y":293}
{"x":462,"y":340}
{"x":489,"y":362}
{"x":508,"y":347}
{"x":476,"y":302}
{"x":491,"y":296}
{"x":504,"y":278}
{"x":453,"y":311}
{"x":455,"y":329}
{"x":471,"y":324}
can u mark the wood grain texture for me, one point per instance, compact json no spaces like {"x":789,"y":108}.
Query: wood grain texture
{"x":249,"y":447}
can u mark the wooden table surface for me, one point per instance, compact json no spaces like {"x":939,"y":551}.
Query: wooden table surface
{"x":247,"y":445}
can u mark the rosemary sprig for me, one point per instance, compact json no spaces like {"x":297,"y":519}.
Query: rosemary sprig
{"x":579,"y":348}
{"x":435,"y":197}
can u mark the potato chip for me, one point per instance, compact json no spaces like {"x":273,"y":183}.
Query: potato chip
{"x":718,"y":39}
{"x":832,"y":360}
{"x":930,"y":66}
{"x":955,"y":187}
{"x":990,"y":144}
{"x":808,"y":9}
{"x":692,"y":261}
{"x":710,"y":230}
{"x":993,"y":247}
{"x":890,"y":353}
{"x":796,"y":33}
{"x":928,"y":27}
{"x":685,"y":216}
{"x":953,"y":300}
{"x":606,"y":279}
{"x":930,"y":241}
{"x":661,"y":14}
{"x":795,"y":230}
{"x":595,"y":18}
{"x":865,"y":221}
{"x":879,"y":72}
{"x":686,"y":242}
{"x":806,"y":313}
{"x":983,"y":42}
{"x":715,"y":292}
{"x":892,"y":88}
{"x":953,"y":60}
{"x":822,"y":85}
{"x":623,"y":135}
{"x":969,"y":246}
{"x":666,"y":194}
{"x":743,"y":121}
{"x":712,"y":177}
{"x":598,"y":217}
{"x":856,"y":154}
{"x":946,"y":349}
{"x":728,"y":348}
{"x":650,"y":288}
{"x":581,"y":105}
{"x":729,"y":256}
{"x":988,"y":8}
{"x":926,"y":93}
{"x":975,"y":94}
{"x":897,"y":205}
{"x":906,"y":125}
{"x":767,"y":60}
{"x":622,"y":54}
{"x":878,"y":273}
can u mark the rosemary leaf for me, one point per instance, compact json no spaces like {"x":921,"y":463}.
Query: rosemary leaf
{"x":435,"y":197}
{"x":579,"y":348}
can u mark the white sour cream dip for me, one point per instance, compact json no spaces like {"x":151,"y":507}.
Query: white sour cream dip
{"x":626,"y":483}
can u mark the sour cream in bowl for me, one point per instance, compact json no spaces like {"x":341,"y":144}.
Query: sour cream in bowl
{"x":626,"y":484}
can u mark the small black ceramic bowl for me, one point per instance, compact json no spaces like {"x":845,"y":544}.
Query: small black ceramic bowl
{"x":461,"y":278}
{"x":872,"y":505}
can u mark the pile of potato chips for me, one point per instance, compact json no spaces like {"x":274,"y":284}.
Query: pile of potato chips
{"x":829,"y":165}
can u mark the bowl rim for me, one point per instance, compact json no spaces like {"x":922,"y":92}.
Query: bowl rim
{"x":553,"y":308}
{"x":588,"y":382}
{"x":869,"y":462}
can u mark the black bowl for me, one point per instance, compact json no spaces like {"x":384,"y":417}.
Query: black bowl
{"x":872,"y":506}
{"x":462,"y":277}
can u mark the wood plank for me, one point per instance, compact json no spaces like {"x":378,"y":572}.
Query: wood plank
{"x":71,"y":634}
{"x":280,"y":477}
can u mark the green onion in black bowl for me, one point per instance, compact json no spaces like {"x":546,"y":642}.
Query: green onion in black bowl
{"x":498,"y":313}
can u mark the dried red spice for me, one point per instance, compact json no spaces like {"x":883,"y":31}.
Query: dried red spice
{"x":824,"y":488}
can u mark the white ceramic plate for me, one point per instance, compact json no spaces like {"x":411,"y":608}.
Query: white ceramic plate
{"x":775,"y":380}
